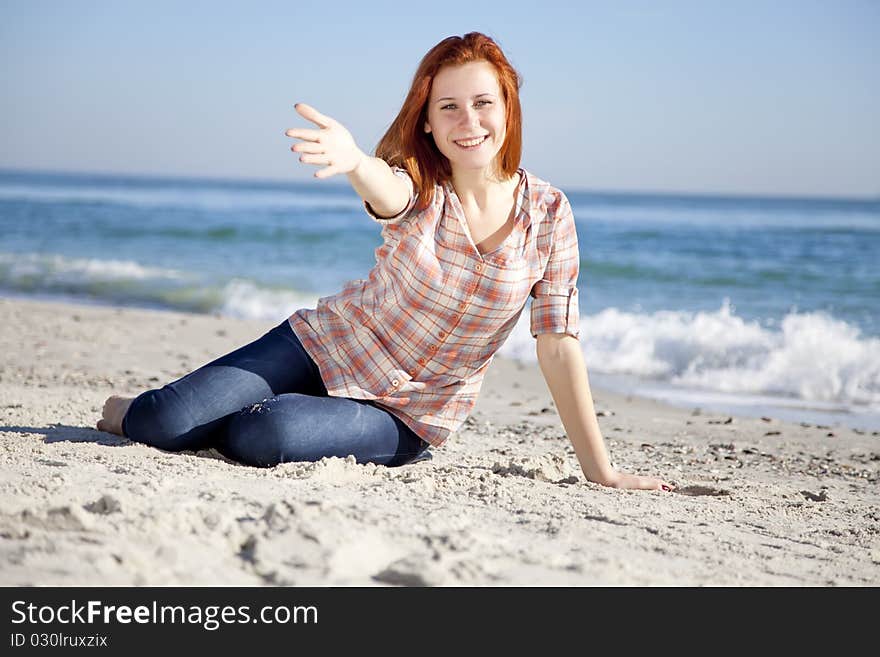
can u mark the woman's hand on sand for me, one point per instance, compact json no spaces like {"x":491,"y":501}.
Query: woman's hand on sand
{"x":331,"y":146}
{"x":636,"y":482}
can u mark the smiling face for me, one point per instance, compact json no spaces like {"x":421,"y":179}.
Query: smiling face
{"x":466,"y":115}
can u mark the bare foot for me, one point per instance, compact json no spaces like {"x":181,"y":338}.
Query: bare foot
{"x":114,"y":410}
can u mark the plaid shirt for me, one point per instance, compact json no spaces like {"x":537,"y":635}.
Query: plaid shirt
{"x":418,"y":334}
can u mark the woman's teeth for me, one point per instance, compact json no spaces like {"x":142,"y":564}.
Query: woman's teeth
{"x":471,"y":143}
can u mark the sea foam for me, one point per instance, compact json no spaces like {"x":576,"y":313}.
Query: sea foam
{"x":808,"y":356}
{"x":129,"y":282}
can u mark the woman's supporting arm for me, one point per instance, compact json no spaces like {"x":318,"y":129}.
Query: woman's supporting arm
{"x":562,"y":364}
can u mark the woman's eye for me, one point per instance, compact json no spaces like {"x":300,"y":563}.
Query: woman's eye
{"x":487,"y":102}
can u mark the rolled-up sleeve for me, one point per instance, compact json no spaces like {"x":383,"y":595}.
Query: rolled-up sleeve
{"x":555,"y":296}
{"x":402,"y":173}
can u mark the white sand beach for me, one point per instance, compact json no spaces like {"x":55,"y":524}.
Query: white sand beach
{"x":759,"y":501}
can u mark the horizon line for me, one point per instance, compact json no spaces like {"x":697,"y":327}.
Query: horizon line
{"x":784,"y":196}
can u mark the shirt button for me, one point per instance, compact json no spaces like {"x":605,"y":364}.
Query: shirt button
{"x":479,"y":266}
{"x":432,"y":347}
{"x":462,"y":304}
{"x":421,"y":361}
{"x":442,"y":335}
{"x":395,"y":383}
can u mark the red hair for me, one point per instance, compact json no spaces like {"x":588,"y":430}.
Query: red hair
{"x":407,"y":145}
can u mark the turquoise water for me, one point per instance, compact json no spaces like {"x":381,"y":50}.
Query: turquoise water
{"x":740,"y":303}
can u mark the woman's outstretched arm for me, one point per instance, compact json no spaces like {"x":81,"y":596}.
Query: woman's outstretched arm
{"x":562,"y":364}
{"x":333,"y":147}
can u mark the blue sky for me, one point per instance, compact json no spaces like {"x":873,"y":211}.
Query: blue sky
{"x":775,"y":98}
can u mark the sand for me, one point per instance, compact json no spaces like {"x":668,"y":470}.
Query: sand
{"x":759,"y":501}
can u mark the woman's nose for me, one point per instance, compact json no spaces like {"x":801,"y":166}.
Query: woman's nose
{"x":471,"y":117}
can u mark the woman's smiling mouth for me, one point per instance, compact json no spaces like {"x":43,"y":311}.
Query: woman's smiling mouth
{"x":471,"y":144}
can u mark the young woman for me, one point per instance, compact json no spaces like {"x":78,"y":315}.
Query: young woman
{"x":393,"y":364}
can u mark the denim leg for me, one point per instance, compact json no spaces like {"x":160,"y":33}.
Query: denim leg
{"x":194,"y":411}
{"x":297,"y":427}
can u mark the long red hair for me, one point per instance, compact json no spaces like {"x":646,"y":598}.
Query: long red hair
{"x":407,"y":145}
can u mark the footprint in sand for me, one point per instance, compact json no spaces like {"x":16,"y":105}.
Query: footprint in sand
{"x":701,"y":490}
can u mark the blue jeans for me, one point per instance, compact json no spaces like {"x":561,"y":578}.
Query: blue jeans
{"x":265,"y":404}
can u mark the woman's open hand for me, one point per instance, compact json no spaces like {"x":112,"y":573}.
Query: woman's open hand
{"x":331,"y":146}
{"x":637,"y":482}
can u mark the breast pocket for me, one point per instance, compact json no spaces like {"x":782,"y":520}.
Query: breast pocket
{"x":416,"y":272}
{"x":509,"y":280}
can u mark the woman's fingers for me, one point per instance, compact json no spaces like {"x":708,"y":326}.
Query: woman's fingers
{"x":304,"y":134}
{"x":307,"y":147}
{"x":638,"y":482}
{"x":315,"y":159}
{"x":310,"y":113}
{"x":650,"y":483}
{"x":332,"y":143}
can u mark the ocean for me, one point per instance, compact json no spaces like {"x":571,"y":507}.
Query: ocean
{"x":756,"y":306}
